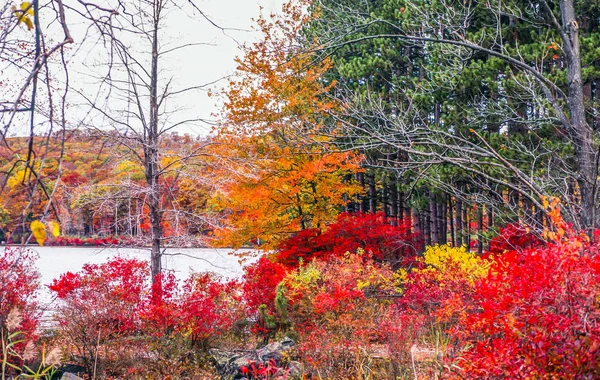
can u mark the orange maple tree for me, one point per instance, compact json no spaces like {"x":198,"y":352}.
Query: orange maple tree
{"x":286,"y":175}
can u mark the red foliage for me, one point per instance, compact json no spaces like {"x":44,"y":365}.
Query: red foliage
{"x":260,"y":282}
{"x":99,"y":241}
{"x":536,"y":315}
{"x":336,"y":307}
{"x":112,"y":293}
{"x":209,"y":307}
{"x":268,"y":370}
{"x":513,"y":237}
{"x":433,"y":299}
{"x":19,"y":282}
{"x":160,"y":310}
{"x":73,"y":179}
{"x":372,"y":232}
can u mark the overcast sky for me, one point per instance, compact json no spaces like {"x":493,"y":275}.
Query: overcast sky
{"x":192,"y":66}
{"x":204,"y":64}
{"x":208,"y":62}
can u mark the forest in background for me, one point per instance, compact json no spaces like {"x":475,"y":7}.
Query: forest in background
{"x":93,"y":187}
{"x":459,"y":118}
{"x":420,"y":175}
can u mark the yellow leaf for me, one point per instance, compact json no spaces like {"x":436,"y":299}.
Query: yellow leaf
{"x":27,"y":8}
{"x":39,"y":231}
{"x":28,"y":22}
{"x":24,"y":14}
{"x":54,"y":228}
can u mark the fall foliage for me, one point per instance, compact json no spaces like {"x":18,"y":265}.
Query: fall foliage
{"x":287,"y":176}
{"x":419,"y":197}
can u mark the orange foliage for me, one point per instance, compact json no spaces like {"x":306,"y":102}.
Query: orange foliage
{"x":285,"y":174}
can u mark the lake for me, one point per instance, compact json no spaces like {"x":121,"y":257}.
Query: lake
{"x":54,"y":261}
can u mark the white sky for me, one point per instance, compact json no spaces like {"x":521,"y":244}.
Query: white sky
{"x":204,"y":64}
{"x":191,"y":66}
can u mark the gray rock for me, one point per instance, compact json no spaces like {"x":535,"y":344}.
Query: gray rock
{"x":295,"y":369}
{"x":68,"y":372}
{"x":274,"y":350}
{"x":229,"y":363}
{"x":70,"y":376}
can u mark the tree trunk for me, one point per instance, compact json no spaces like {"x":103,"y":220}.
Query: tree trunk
{"x":426,"y":223}
{"x":372,"y":193}
{"x":459,"y":222}
{"x":151,"y":157}
{"x":362,"y":206}
{"x":466,"y":228}
{"x":416,"y":227}
{"x":394,"y":200}
{"x":442,"y":219}
{"x":384,"y":198}
{"x":581,"y":132}
{"x":402,"y":211}
{"x":435,"y":235}
{"x":480,"y":230}
{"x":451,"y":219}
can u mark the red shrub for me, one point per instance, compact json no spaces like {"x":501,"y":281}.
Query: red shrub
{"x":160,"y":312}
{"x":372,"y":232}
{"x":104,"y":296}
{"x":336,"y":307}
{"x":19,"y":282}
{"x":209,"y":307}
{"x":514,"y":237}
{"x":536,"y":315}
{"x":260,"y":282}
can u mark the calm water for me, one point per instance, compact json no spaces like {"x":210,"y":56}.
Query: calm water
{"x":54,"y":261}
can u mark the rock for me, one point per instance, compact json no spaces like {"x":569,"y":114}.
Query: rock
{"x":274,"y":350}
{"x":70,"y":376}
{"x":230,"y":363}
{"x":68,"y":372}
{"x":295,"y":369}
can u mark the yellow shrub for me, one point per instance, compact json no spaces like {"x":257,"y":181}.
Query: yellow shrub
{"x":446,"y":260}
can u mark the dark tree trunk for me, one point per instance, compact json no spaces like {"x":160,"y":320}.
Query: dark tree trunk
{"x":151,"y":157}
{"x":384,"y":198}
{"x":434,"y":223}
{"x":417,"y":227}
{"x":513,"y":205}
{"x":451,"y":220}
{"x":372,"y":193}
{"x":443,"y":219}
{"x":466,"y":228}
{"x":394,"y":200}
{"x":402,"y":210}
{"x":480,"y":230}
{"x":459,"y":222}
{"x":579,"y":129}
{"x":362,"y":201}
{"x":426,"y":217}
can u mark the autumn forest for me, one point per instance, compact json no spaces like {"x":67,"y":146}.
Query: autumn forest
{"x":417,"y":180}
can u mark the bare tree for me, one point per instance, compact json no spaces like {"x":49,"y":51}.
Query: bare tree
{"x":35,"y":83}
{"x":134,"y":104}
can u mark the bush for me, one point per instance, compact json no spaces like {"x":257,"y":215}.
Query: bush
{"x":371,"y":232}
{"x":514,"y":237}
{"x":119,"y":324}
{"x":335,"y":307}
{"x":100,"y":307}
{"x":535,"y":315}
{"x":19,"y":283}
{"x":436,"y":290}
{"x":260,"y":281}
{"x":209,"y":308}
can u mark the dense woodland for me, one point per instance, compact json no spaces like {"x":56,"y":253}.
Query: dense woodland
{"x":93,"y":187}
{"x":420,"y":179}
